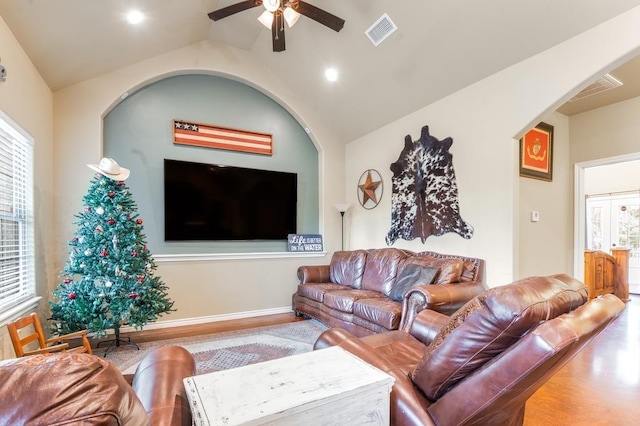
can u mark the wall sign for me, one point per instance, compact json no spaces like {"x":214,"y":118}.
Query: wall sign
{"x":304,"y":243}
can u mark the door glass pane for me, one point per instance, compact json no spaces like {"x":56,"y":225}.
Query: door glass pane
{"x":614,"y":221}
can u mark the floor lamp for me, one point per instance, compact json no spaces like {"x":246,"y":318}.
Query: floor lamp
{"x":342,"y":208}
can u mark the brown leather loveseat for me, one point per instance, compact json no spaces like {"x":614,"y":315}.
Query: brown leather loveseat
{"x":372,"y":291}
{"x":479,"y":366}
{"x":72,"y":388}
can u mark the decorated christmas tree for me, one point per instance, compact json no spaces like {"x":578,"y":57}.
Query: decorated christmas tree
{"x":108,"y":280}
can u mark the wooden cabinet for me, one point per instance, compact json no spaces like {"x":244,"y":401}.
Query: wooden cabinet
{"x":607,"y":273}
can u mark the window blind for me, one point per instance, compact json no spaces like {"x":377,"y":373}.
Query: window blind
{"x":17,"y":269}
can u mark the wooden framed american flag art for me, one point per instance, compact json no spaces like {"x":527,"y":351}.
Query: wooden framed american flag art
{"x":207,"y":136}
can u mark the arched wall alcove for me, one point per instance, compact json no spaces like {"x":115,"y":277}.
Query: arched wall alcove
{"x":211,"y":286}
{"x":138,"y":133}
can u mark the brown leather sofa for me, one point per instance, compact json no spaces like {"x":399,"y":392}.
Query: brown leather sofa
{"x":479,"y":366}
{"x":373,"y":291}
{"x":72,"y":388}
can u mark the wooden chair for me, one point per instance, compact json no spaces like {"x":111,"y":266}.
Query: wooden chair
{"x":54,"y":344}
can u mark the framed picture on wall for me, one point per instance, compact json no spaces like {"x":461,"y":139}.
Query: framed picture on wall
{"x":536,"y":153}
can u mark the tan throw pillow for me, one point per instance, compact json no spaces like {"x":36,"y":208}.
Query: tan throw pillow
{"x":489,"y":324}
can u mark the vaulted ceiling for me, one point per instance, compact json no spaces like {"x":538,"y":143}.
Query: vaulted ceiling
{"x":440,"y":46}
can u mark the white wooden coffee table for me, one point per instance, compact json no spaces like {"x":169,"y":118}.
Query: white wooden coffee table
{"x":324,"y":387}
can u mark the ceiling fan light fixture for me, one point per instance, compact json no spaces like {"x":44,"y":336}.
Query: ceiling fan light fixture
{"x":266,"y":19}
{"x":271,"y":5}
{"x":291,"y":16}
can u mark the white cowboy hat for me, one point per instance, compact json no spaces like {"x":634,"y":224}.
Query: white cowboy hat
{"x":109,"y":168}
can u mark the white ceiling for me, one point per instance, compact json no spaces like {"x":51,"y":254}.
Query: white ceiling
{"x":439,"y":48}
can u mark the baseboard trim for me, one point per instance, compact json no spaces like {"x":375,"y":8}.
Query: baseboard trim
{"x":208,"y":319}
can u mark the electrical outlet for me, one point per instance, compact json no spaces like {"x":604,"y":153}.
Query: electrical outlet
{"x":535,"y":216}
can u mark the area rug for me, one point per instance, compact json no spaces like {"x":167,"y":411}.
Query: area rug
{"x":221,"y":351}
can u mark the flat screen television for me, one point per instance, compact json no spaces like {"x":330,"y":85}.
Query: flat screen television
{"x":210,"y":202}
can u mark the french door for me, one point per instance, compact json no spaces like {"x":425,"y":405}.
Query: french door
{"x":613,"y":220}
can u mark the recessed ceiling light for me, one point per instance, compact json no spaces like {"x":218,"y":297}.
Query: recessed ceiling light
{"x":135,"y":17}
{"x":331,"y":74}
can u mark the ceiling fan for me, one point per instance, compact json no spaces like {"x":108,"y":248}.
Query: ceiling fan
{"x":277,"y":12}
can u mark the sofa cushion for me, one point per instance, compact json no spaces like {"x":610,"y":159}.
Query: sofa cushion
{"x":449,"y":269}
{"x":411,"y":274}
{"x":316,"y":291}
{"x":381,"y":269}
{"x":67,"y":388}
{"x":490,"y":323}
{"x":343,"y":300}
{"x":347,"y":268}
{"x":472,"y":268}
{"x":381,"y":311}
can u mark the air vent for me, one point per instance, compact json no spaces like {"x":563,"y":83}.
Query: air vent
{"x":604,"y":83}
{"x":381,"y":29}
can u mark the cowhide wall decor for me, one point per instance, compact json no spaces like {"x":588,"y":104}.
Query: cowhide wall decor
{"x":424,"y":199}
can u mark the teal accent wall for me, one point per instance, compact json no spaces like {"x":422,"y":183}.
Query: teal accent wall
{"x":138,"y":134}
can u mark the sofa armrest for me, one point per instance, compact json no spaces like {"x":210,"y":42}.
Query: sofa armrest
{"x":443,"y":298}
{"x":314,"y":274}
{"x":352,"y":343}
{"x":407,"y":401}
{"x":426,"y":325}
{"x":158,"y":382}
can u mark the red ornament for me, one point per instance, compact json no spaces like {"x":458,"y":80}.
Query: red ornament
{"x":67,"y":280}
{"x":133,"y":295}
{"x":87,"y":209}
{"x":120,"y":183}
{"x":112,"y":221}
{"x":134,"y":253}
{"x":111,"y":194}
{"x":145,"y":248}
{"x":104,"y":253}
{"x":139,"y":221}
{"x":71,"y":296}
{"x":140,"y":279}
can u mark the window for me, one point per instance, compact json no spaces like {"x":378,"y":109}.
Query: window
{"x":17,"y":276}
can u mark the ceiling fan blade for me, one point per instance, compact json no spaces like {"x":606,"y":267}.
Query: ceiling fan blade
{"x":319,"y":15}
{"x":277,"y":32}
{"x":233,"y":9}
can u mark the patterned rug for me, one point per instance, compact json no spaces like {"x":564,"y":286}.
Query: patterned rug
{"x":221,"y":351}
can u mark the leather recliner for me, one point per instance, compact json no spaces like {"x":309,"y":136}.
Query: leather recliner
{"x":479,"y":366}
{"x":73,"y":388}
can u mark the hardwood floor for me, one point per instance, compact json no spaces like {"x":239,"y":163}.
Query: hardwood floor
{"x":601,"y":385}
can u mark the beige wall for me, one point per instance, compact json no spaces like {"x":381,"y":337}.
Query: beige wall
{"x":27,"y":100}
{"x":485,"y":120}
{"x":544,"y":245}
{"x":611,"y":131}
{"x":618,"y":177}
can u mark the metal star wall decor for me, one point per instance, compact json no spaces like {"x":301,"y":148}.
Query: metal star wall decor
{"x":370,"y":189}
